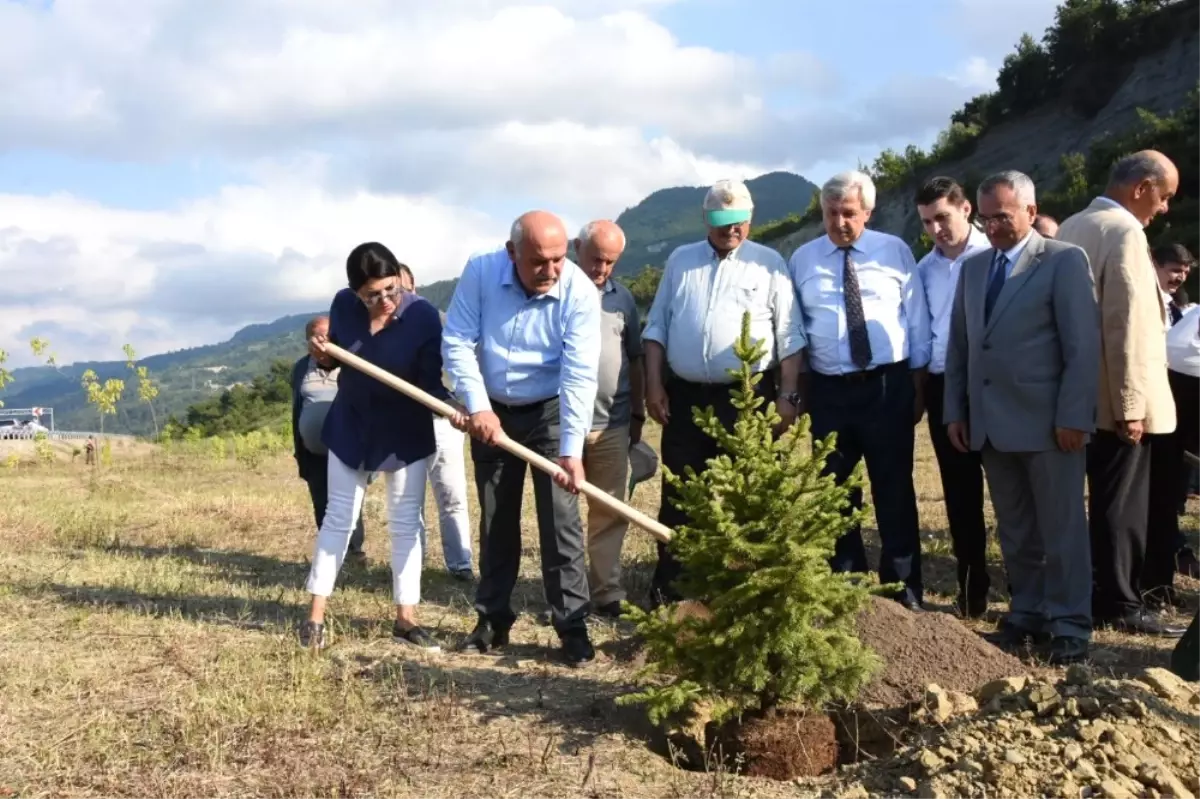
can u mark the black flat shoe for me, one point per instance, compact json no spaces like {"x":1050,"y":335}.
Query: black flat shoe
{"x":416,"y":637}
{"x":1142,"y":622}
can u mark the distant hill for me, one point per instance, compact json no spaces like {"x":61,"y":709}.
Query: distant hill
{"x":670,"y":217}
{"x":190,"y":376}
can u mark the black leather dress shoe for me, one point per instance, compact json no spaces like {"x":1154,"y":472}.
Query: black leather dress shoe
{"x":485,"y":637}
{"x":1010,"y":637}
{"x":1065,"y":649}
{"x":1142,"y":622}
{"x":577,"y":648}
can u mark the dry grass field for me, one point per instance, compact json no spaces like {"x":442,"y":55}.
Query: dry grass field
{"x":147,"y":649}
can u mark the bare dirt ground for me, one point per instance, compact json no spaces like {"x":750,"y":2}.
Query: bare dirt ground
{"x":147,"y":648}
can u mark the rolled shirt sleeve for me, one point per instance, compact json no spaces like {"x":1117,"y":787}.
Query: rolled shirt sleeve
{"x":460,"y":338}
{"x":579,"y":371}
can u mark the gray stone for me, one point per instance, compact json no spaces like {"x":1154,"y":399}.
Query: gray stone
{"x":1084,"y":770}
{"x":1115,"y":790}
{"x":1014,"y":756}
{"x":908,"y":784}
{"x":1162,"y":778}
{"x":1078,"y":674}
{"x":1002,"y":687}
{"x":1072,"y":752}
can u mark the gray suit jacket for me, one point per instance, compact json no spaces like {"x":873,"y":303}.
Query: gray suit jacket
{"x":1034,"y":365}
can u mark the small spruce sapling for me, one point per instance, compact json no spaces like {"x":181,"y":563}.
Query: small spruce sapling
{"x":776,"y":626}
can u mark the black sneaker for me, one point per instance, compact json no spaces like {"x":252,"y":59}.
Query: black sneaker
{"x":463,"y":575}
{"x":484,"y":638}
{"x":577,"y":649}
{"x":415,"y":636}
{"x":312,"y":635}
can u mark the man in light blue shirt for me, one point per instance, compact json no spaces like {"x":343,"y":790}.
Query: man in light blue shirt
{"x":521,"y":347}
{"x":693,"y":325}
{"x":945,"y":213}
{"x":869,"y":344}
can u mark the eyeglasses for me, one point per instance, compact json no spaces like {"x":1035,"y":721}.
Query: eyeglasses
{"x":376,"y":297}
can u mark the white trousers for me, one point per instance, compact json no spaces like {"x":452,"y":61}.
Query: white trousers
{"x":405,"y":496}
{"x":448,"y":476}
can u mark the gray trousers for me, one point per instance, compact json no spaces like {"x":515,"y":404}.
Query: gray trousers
{"x":500,"y":479}
{"x":1043,"y":532}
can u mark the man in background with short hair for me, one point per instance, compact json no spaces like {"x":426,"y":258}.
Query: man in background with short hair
{"x":1046,"y":226}
{"x":314,"y":385}
{"x":945,"y":214}
{"x":619,"y":414}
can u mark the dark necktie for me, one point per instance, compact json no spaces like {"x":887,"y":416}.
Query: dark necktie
{"x":856,"y":322}
{"x":994,"y":286}
{"x":1173,"y":310}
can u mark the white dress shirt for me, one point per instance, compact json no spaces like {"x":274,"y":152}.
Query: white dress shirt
{"x":939,"y":277}
{"x":1183,"y":344}
{"x":697,"y":311}
{"x":893,"y":301}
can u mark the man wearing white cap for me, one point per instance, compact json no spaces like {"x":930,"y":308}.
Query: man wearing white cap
{"x":694,"y":322}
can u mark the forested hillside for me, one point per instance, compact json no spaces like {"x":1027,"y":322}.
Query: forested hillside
{"x":1107,"y":78}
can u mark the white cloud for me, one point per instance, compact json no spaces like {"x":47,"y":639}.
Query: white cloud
{"x":166,"y":279}
{"x":372,"y":119}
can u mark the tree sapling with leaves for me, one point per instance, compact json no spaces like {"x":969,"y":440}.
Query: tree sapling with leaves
{"x":769,"y":623}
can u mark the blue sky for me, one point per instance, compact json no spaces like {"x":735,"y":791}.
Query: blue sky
{"x":279,"y":133}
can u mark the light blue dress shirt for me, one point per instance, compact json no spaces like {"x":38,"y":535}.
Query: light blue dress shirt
{"x":501,"y":344}
{"x":697,"y":311}
{"x":940,"y":276}
{"x":893,"y":301}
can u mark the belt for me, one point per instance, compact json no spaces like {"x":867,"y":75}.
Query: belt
{"x":865,"y":375}
{"x":524,"y":407}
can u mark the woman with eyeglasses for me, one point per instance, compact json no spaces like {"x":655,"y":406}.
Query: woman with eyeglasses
{"x":372,"y":428}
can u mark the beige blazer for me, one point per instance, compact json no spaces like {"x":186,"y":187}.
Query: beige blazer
{"x":1133,"y":342}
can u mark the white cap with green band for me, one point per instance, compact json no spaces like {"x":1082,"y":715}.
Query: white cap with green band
{"x":728,"y":202}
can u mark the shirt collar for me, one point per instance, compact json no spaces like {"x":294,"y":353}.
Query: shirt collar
{"x":976,"y":240}
{"x":1115,"y":204}
{"x":1015,"y":252}
{"x":608,"y":287}
{"x":509,"y":278}
{"x":856,"y":246}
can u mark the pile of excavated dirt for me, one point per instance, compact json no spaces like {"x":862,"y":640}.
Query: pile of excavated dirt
{"x":1018,"y":736}
{"x":922,"y":648}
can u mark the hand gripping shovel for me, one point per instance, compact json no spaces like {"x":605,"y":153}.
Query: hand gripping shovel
{"x":594,"y":494}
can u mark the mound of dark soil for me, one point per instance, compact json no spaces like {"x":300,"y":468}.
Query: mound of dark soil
{"x":922,"y":648}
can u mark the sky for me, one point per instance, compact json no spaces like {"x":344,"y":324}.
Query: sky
{"x":172,"y":170}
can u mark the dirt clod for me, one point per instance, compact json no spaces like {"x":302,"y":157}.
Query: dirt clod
{"x":782,"y":745}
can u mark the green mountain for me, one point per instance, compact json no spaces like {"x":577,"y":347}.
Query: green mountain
{"x":671,"y":217}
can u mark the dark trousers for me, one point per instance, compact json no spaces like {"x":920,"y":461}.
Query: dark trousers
{"x":962,"y":489}
{"x":500,"y":480}
{"x":683,"y":445}
{"x":872,"y":414}
{"x":1163,"y":536}
{"x":317,"y":478}
{"x":1118,"y":506}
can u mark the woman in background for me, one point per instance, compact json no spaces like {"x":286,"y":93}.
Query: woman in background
{"x":373,"y":428}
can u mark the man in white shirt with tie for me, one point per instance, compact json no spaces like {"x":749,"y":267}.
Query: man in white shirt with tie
{"x":693,"y":324}
{"x":945,"y":214}
{"x":867,"y":327}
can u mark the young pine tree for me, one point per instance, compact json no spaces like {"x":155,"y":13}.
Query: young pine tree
{"x":777,"y":626}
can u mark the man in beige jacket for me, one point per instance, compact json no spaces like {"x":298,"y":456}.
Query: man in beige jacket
{"x":1135,"y":397}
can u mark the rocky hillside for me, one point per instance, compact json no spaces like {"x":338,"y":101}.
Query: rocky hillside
{"x":1036,"y":140}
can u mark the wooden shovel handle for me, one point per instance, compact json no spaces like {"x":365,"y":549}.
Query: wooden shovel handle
{"x":594,"y":494}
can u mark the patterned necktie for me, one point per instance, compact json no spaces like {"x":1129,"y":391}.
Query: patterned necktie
{"x":994,"y":286}
{"x":856,"y":322}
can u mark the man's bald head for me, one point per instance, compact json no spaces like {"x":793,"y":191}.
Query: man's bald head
{"x":537,"y":245}
{"x":1144,"y":182}
{"x":318,"y":327}
{"x":598,"y":249}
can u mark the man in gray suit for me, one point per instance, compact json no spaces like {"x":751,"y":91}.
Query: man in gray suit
{"x":1021,"y":379}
